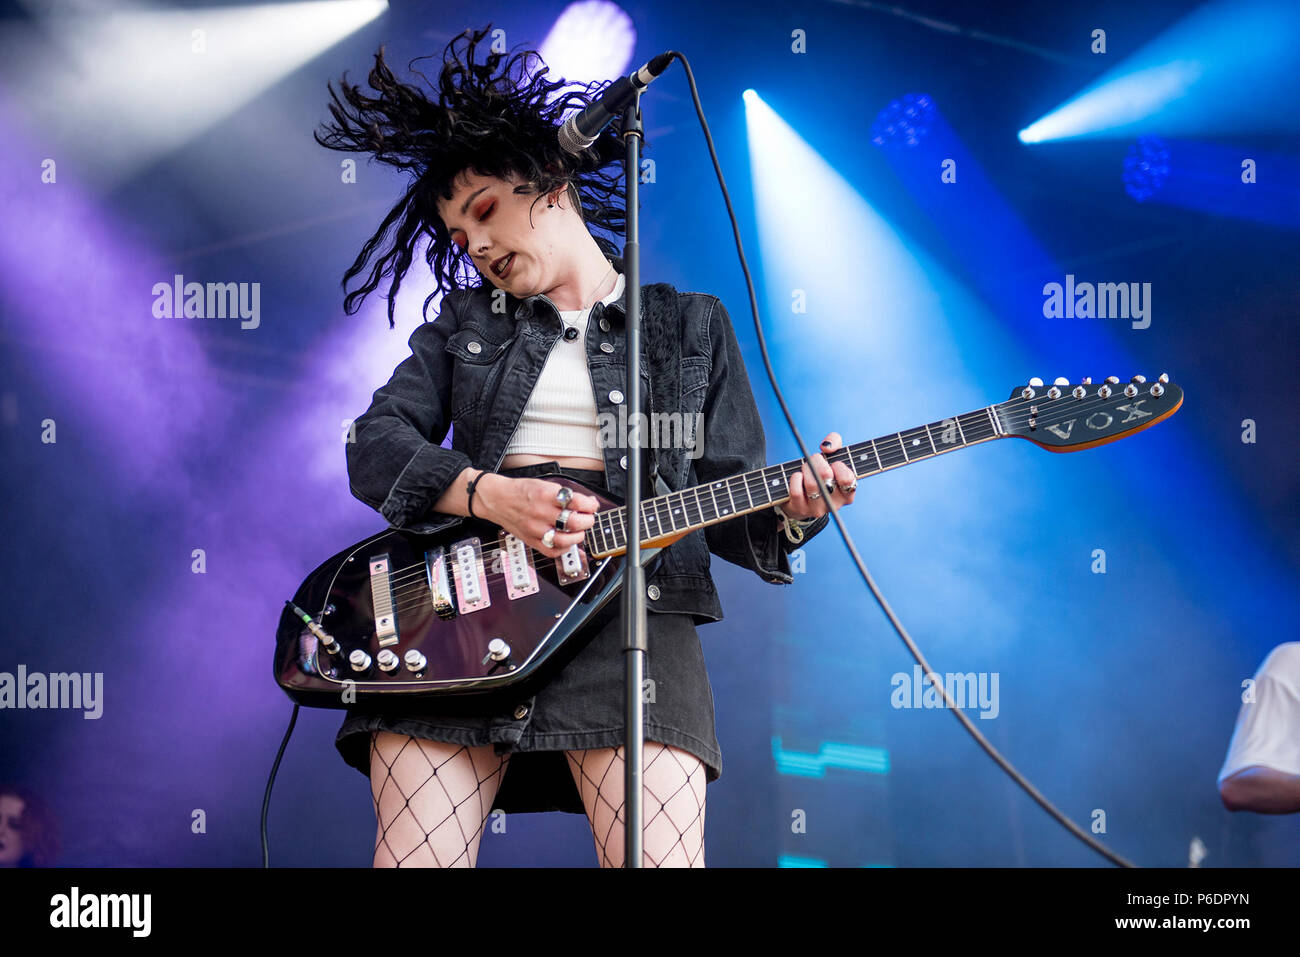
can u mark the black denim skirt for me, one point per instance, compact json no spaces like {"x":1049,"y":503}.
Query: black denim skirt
{"x":581,"y":708}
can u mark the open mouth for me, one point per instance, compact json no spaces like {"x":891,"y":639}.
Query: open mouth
{"x":502,"y":266}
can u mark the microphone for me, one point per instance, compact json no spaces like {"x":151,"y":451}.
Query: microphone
{"x":580,"y":130}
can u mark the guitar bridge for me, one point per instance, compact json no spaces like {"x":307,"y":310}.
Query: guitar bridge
{"x":440,"y":588}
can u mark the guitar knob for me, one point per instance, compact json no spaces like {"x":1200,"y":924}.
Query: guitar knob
{"x":387,"y":661}
{"x":1036,"y":382}
{"x":1164,"y":377}
{"x":1061,"y":380}
{"x":1139,"y":379}
{"x":359,"y":660}
{"x":498,"y":650}
{"x":415,"y":661}
{"x":1112,"y":379}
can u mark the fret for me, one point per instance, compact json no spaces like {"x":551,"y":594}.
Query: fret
{"x":698,"y":517}
{"x":749,"y":498}
{"x":929,"y":435}
{"x":729,"y":509}
{"x":861,"y":459}
{"x":714,"y":499}
{"x":888,"y":455}
{"x":677,"y":511}
{"x":911,"y":442}
{"x":960,"y":432}
{"x":993,"y":419}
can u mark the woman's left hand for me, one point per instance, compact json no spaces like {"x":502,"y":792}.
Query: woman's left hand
{"x":807,"y":501}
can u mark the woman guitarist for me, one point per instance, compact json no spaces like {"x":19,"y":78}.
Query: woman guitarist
{"x":524,"y":360}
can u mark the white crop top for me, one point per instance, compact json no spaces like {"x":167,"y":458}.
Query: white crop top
{"x":560,"y":417}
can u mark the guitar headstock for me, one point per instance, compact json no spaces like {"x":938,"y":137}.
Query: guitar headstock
{"x":1066,"y":417}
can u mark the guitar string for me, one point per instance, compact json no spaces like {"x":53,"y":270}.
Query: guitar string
{"x":839,"y":455}
{"x":415,"y":585}
{"x":416,"y":574}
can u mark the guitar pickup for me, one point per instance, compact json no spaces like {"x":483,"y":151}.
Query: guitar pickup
{"x":381,"y":597}
{"x":571,"y":565}
{"x":440,"y":586}
{"x":470,"y":576}
{"x":515,"y":561}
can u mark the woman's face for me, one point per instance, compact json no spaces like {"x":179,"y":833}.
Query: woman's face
{"x":512,"y":237}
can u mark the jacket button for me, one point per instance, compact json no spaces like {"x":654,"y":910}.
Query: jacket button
{"x":606,"y":347}
{"x":616,"y":397}
{"x":474,"y":347}
{"x":623,"y":461}
{"x":521,"y":712}
{"x":604,"y":325}
{"x":653,"y":592}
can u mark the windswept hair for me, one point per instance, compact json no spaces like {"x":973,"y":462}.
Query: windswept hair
{"x":497,"y":118}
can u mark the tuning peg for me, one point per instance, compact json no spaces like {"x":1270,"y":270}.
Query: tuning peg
{"x":1139,"y":379}
{"x":1086,"y":380}
{"x":1130,"y":390}
{"x":1036,"y":382}
{"x":1164,"y":377}
{"x":1112,"y":380}
{"x":1061,"y":380}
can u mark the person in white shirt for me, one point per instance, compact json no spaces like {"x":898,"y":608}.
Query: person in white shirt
{"x":1262,"y":770}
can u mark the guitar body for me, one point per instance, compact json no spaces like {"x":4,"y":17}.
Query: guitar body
{"x":381,"y":595}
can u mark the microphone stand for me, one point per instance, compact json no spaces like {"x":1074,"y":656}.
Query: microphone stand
{"x":634,"y":614}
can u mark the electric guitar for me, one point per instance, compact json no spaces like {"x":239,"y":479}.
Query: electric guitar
{"x":472,"y":613}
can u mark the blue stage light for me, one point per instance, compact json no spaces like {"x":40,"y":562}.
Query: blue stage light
{"x":1146,"y":167}
{"x":904,"y":122}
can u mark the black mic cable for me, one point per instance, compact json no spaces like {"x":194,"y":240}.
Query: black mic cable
{"x":848,"y":541}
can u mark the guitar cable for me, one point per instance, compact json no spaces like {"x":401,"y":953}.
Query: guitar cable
{"x":270,"y":781}
{"x":931,"y":675}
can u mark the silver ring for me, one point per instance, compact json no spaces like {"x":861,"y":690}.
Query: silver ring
{"x":812,"y":495}
{"x":548,"y":539}
{"x":564,"y":496}
{"x":847,"y":489}
{"x":562,"y":523}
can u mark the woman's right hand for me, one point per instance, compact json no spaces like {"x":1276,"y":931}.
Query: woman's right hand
{"x":526,"y":508}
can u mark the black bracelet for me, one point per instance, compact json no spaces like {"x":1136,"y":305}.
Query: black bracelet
{"x":469,"y":491}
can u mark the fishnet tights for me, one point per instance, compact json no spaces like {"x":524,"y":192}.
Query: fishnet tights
{"x":432,"y":801}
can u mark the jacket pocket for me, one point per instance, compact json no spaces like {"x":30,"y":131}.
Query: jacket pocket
{"x":475,"y":370}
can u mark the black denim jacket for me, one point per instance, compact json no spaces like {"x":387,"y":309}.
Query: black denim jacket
{"x":474,"y":368}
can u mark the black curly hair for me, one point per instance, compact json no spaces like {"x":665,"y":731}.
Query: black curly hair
{"x":498,"y":118}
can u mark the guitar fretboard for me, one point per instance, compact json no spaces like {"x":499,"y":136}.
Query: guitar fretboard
{"x":725,"y":499}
